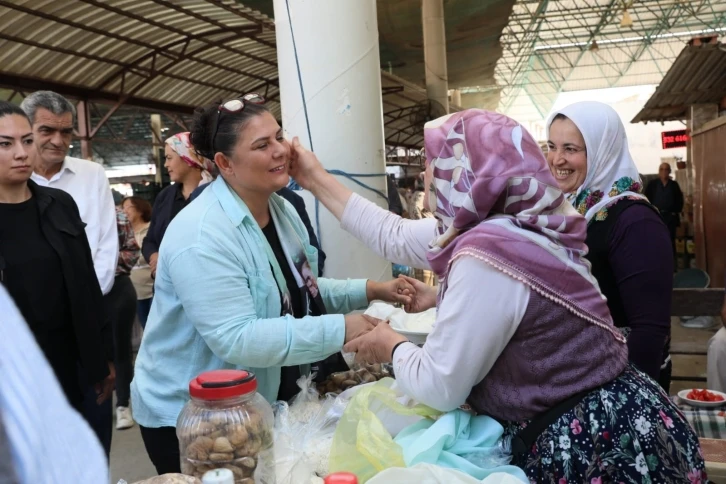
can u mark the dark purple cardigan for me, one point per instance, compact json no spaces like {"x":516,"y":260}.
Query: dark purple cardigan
{"x":632,"y":260}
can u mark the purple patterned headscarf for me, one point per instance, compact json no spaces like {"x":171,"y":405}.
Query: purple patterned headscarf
{"x":496,"y":200}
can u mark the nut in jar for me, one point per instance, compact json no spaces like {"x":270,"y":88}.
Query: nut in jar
{"x":227,"y":424}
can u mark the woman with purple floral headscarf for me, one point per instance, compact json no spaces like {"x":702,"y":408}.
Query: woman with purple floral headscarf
{"x":522,"y":332}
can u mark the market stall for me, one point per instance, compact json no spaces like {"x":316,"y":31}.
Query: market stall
{"x":355,"y":421}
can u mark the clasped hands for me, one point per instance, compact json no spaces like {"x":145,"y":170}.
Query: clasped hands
{"x":373,"y":340}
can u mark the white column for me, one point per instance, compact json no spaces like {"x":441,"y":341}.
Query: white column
{"x":456,"y":97}
{"x":337,"y":54}
{"x":158,"y":146}
{"x":434,"y":40}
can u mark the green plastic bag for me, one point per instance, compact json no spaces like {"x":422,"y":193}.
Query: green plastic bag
{"x":362,"y":444}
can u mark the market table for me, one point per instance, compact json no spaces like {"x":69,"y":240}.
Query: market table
{"x":714,"y":453}
{"x":709,"y":423}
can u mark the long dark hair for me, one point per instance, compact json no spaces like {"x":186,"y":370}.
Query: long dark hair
{"x":7,"y":109}
{"x":228,"y":131}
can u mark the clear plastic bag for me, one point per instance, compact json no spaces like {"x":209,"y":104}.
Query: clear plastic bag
{"x":501,"y":455}
{"x":303,"y":435}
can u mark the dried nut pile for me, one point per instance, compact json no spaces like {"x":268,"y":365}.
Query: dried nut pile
{"x":170,"y":479}
{"x":339,"y":382}
{"x":217,"y":442}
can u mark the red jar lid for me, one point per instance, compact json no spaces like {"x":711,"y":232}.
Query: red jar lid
{"x":221,"y":384}
{"x":341,"y":478}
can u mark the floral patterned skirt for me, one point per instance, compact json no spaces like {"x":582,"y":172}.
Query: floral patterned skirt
{"x":627,"y":431}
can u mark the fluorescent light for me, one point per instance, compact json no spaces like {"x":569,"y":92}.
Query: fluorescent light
{"x":632,"y":39}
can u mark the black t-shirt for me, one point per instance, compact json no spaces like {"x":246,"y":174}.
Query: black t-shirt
{"x":290,"y":374}
{"x":33,"y":276}
{"x":296,"y":295}
{"x":179,"y":201}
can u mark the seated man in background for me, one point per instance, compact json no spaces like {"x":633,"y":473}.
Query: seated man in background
{"x":716,"y":363}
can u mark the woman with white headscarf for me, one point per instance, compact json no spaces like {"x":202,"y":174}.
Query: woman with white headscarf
{"x":629,"y":245}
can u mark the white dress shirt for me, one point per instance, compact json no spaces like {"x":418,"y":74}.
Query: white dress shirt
{"x":50,"y":443}
{"x":479,"y":314}
{"x":87,"y":183}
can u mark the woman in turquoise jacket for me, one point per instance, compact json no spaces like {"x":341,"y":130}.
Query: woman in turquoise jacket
{"x":235,"y":284}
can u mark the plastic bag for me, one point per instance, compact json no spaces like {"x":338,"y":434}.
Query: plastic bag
{"x":303,"y":435}
{"x":400,"y":320}
{"x":431,"y":474}
{"x":459,"y":440}
{"x":362,"y":443}
{"x":493,"y":457}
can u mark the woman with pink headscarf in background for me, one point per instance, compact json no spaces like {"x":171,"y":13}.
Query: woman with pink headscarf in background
{"x":188,"y":170}
{"x":522,"y":332}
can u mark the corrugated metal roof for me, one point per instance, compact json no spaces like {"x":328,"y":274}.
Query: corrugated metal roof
{"x":698,"y":76}
{"x":183,"y":53}
{"x":165,"y":55}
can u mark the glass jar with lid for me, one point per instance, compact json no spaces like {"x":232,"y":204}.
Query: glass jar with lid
{"x":227,"y":424}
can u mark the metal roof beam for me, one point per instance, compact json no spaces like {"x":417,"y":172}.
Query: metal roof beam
{"x":62,"y":50}
{"x":605,"y":19}
{"x":185,"y":11}
{"x":526,"y":47}
{"x":71,"y":23}
{"x":403,"y":142}
{"x":667,"y":21}
{"x":270,"y":24}
{"x":142,"y":71}
{"x":30,"y":84}
{"x":245,"y":31}
{"x":392,"y":89}
{"x":154,"y":50}
{"x":163,"y":50}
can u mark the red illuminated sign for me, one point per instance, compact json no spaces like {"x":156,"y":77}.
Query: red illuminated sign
{"x":674,"y":139}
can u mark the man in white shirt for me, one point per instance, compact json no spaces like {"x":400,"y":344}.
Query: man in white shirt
{"x":53,"y":117}
{"x":39,"y":442}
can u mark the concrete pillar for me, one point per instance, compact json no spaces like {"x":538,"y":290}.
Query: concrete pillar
{"x":158,"y":146}
{"x":84,"y":129}
{"x":335,"y":57}
{"x":434,"y":41}
{"x":456,"y":97}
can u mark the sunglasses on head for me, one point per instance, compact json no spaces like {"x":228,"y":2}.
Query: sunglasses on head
{"x":234,"y":106}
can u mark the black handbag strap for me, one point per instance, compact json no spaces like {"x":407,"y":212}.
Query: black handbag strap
{"x":523,"y":441}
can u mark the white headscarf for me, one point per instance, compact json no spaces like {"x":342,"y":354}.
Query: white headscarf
{"x":611,"y":170}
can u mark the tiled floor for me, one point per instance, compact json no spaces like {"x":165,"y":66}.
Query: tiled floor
{"x":128,"y":457}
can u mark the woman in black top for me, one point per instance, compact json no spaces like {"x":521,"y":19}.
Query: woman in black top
{"x":46,"y":266}
{"x":627,"y":242}
{"x":187,"y":170}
